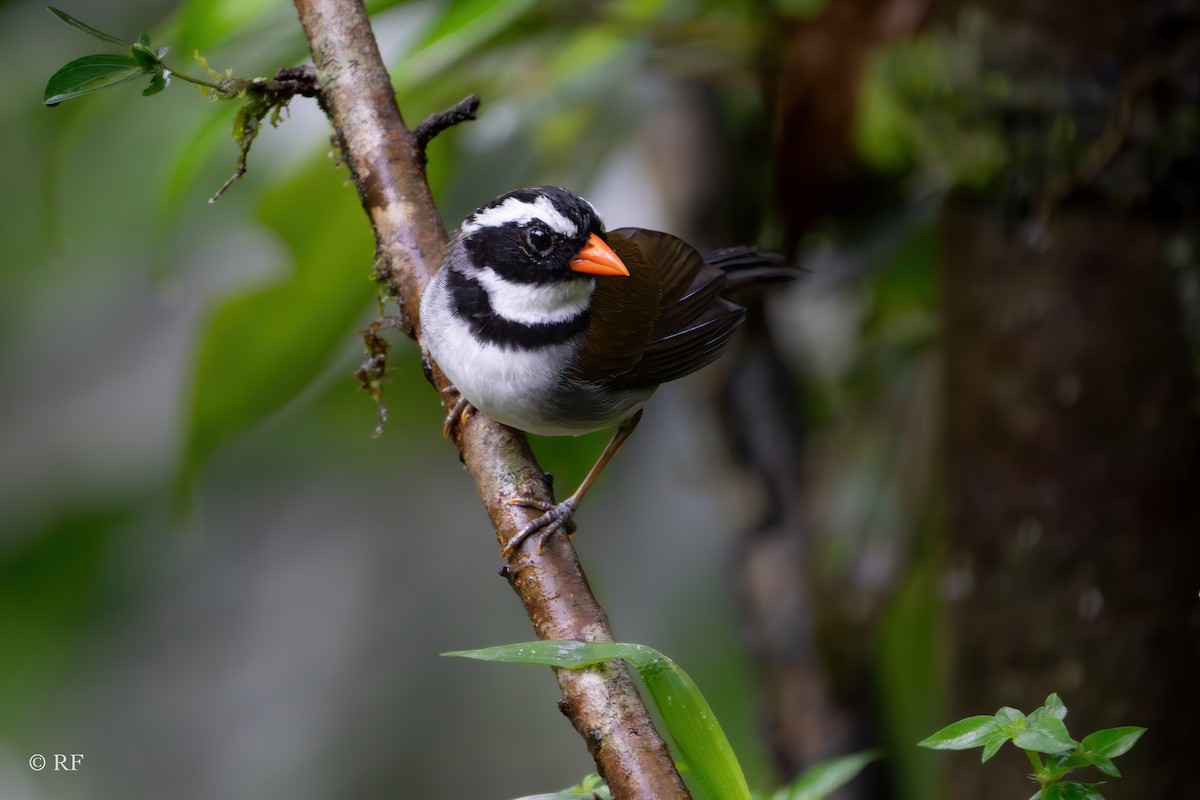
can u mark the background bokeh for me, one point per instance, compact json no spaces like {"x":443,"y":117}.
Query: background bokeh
{"x":952,"y":469}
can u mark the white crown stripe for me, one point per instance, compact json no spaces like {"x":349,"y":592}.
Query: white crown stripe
{"x":520,"y":212}
{"x":544,"y":304}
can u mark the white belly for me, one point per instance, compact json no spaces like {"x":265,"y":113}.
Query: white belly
{"x":521,"y":388}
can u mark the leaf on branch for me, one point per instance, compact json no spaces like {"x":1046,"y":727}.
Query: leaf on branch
{"x":145,"y":57}
{"x":159,"y":81}
{"x":90,"y":74}
{"x":701,"y":744}
{"x":88,"y":29}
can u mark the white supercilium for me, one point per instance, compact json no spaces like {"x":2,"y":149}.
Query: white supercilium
{"x":520,"y":212}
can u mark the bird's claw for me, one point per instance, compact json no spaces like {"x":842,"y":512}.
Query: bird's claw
{"x":459,"y":412}
{"x":555,"y":517}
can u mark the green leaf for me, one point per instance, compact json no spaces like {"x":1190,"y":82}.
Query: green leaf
{"x":700,"y":743}
{"x":1062,"y":763}
{"x":1112,"y":742}
{"x":158,"y":81}
{"x":592,"y":787}
{"x":1010,"y":717}
{"x":1054,"y":706}
{"x":1071,"y":790}
{"x":1045,"y":735}
{"x":145,"y":57}
{"x":262,"y":347}
{"x":824,"y":778}
{"x":88,"y":29}
{"x":961,"y":735}
{"x":1105,"y":765}
{"x":144,"y":39}
{"x":991,"y":745}
{"x":90,"y":74}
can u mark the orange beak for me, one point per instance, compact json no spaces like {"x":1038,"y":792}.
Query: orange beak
{"x":597,"y":258}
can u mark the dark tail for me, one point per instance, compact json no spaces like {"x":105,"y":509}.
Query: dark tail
{"x":746,"y":267}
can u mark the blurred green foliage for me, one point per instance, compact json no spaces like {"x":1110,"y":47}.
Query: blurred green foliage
{"x":155,"y":342}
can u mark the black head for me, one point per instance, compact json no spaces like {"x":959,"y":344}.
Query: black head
{"x":531,"y":235}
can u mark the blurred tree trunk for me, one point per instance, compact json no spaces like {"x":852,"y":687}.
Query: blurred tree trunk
{"x":1071,"y":477}
{"x":1071,"y":435}
{"x":1071,"y":440}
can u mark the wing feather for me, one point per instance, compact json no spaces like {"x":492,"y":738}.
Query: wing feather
{"x":673,"y":320}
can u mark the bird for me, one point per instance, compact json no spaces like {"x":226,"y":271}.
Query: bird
{"x":547,"y":322}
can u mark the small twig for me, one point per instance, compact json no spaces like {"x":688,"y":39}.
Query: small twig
{"x":431,"y":126}
{"x":294,"y":81}
{"x":1103,"y":151}
{"x":263,"y":96}
{"x":1108,"y":146}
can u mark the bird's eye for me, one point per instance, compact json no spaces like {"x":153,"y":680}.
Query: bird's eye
{"x":539,"y":238}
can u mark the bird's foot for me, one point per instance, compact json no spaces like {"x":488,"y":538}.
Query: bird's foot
{"x":459,"y":412}
{"x":555,"y":517}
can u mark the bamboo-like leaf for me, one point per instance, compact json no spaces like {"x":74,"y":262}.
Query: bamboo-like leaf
{"x":88,"y":29}
{"x":701,"y":745}
{"x":90,"y":74}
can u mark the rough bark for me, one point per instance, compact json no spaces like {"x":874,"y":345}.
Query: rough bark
{"x":387,"y":164}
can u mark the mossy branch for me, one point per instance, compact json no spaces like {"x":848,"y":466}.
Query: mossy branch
{"x":387,"y":163}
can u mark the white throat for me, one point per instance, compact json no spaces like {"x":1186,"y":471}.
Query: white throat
{"x":536,"y":304}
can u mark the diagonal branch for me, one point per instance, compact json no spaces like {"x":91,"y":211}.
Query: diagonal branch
{"x":386,"y":161}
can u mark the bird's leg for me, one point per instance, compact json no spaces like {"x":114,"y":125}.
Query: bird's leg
{"x":459,"y":412}
{"x":558,"y":516}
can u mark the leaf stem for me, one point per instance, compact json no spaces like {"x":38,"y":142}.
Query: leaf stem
{"x":197,"y":81}
{"x":1038,"y":767}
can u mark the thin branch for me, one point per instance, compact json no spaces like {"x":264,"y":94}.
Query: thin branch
{"x":462,"y":111}
{"x":385,"y":159}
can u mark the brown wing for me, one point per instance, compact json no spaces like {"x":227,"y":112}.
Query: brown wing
{"x":670,"y":322}
{"x":624,"y":312}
